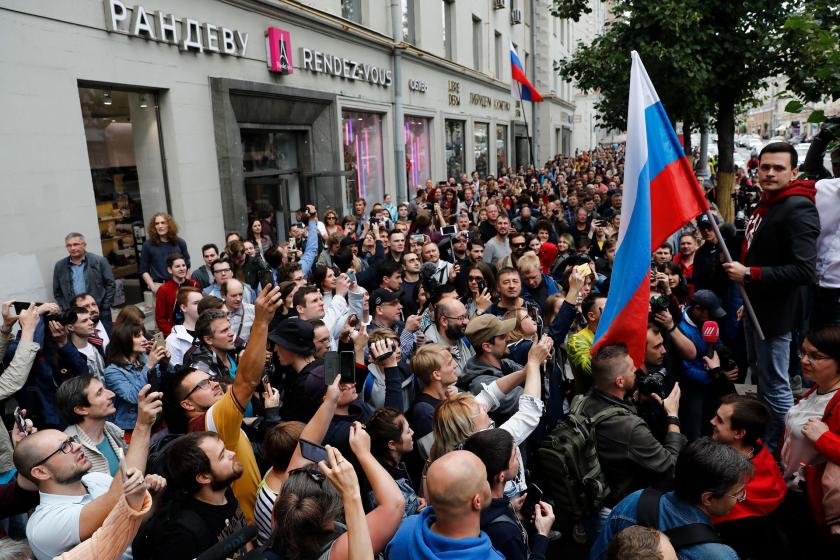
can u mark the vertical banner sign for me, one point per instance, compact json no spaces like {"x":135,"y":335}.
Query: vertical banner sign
{"x":278,"y":47}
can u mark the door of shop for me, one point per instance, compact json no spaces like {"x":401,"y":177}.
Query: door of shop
{"x":272,"y":176}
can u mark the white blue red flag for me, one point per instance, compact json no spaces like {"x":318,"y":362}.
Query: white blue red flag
{"x":527,"y":92}
{"x":661,"y":194}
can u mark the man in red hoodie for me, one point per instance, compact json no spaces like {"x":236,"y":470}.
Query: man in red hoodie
{"x":167,"y":295}
{"x":748,"y":527}
{"x":779,"y":254}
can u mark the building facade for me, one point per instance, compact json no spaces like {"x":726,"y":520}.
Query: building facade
{"x":215,"y":111}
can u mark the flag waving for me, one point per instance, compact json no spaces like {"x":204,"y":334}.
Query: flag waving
{"x":527,"y":92}
{"x":661,"y":194}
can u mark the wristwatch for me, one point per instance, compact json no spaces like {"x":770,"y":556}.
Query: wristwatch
{"x":675,"y":420}
{"x":747,"y":275}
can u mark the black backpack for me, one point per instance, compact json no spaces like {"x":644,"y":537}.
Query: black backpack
{"x":647,"y":515}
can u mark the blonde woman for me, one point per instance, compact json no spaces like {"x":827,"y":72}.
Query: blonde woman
{"x":462,"y":415}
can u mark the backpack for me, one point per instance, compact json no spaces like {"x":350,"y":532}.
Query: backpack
{"x":647,"y":515}
{"x":569,"y":463}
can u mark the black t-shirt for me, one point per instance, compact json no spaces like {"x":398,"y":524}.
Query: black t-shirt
{"x":188,"y":527}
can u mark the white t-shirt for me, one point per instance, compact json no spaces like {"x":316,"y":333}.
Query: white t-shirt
{"x":799,"y":449}
{"x":95,"y":362}
{"x":54,"y":526}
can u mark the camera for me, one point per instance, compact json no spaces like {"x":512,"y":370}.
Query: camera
{"x":654,"y":383}
{"x":658,"y":303}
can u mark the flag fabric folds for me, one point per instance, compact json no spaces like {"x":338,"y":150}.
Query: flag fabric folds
{"x":527,"y":92}
{"x":661,"y":194}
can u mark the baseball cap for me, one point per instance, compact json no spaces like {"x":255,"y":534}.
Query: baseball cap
{"x":381,"y":296}
{"x":703,"y":221}
{"x":707,"y":299}
{"x":295,"y":335}
{"x":485,"y":327}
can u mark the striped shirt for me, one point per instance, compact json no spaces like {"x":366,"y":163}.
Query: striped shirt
{"x":264,"y":510}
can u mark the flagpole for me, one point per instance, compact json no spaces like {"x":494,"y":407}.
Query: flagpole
{"x":726,"y":255}
{"x":527,"y":133}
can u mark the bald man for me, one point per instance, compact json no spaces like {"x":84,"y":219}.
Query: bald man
{"x":75,"y":501}
{"x":451,"y":526}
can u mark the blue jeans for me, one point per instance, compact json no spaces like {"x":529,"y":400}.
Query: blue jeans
{"x":770,"y":360}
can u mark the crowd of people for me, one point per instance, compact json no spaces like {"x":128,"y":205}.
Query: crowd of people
{"x":416,"y":381}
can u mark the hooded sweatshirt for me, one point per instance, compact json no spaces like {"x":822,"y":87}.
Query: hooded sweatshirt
{"x":765,"y":490}
{"x":768,"y":199}
{"x":416,"y":541}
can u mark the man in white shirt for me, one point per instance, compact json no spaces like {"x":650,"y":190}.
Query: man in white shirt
{"x":241,"y":314}
{"x":99,"y":333}
{"x":74,"y":502}
{"x":79,"y":326}
{"x":827,"y":301}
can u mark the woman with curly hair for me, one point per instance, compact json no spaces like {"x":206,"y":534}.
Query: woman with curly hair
{"x":163,"y":241}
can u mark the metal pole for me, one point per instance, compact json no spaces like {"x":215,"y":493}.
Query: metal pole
{"x":747,"y":304}
{"x":527,"y":134}
{"x":401,"y":184}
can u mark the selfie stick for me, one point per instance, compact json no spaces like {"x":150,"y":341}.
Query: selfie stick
{"x":726,"y":255}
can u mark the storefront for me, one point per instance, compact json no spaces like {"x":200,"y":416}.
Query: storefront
{"x":214,"y":112}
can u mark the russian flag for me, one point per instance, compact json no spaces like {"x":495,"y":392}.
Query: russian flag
{"x":661,"y":194}
{"x":527,"y":92}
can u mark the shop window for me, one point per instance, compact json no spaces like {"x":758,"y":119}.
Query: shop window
{"x":127,"y":170}
{"x":408,"y":21}
{"x":454,"y":148}
{"x":418,"y":161}
{"x":501,"y":147}
{"x":363,"y":155}
{"x":481,"y":146}
{"x":352,"y":10}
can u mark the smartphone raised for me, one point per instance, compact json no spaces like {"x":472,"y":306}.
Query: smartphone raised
{"x":448,"y":230}
{"x":332,"y":366}
{"x":534,"y":496}
{"x":265,"y":278}
{"x":348,"y":367}
{"x":481,"y":286}
{"x":21,"y":421}
{"x":21,"y":305}
{"x":312,"y":451}
{"x":585,"y":268}
{"x":351,"y":275}
{"x":418,"y":238}
{"x":160,"y":342}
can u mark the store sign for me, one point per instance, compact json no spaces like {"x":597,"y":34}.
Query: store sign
{"x":188,"y":34}
{"x":418,"y":85}
{"x":339,"y":67}
{"x":454,"y":93}
{"x":487,"y":101}
{"x":278,"y":50}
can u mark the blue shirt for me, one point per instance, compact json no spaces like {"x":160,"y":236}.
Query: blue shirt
{"x":695,"y":369}
{"x":77,"y":273}
{"x":672,"y":513}
{"x":107,"y":451}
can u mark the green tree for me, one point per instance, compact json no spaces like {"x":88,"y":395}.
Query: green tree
{"x":811,"y":40}
{"x":704,"y":57}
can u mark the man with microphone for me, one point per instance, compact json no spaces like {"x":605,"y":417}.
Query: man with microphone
{"x":702,"y":380}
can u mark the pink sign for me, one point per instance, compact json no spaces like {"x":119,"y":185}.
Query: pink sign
{"x":278,"y":48}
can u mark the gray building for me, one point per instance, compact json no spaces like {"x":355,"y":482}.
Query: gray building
{"x":214,"y":111}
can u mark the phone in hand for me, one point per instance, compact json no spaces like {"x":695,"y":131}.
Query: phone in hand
{"x":585,"y":268}
{"x":312,"y":451}
{"x":152,"y":380}
{"x":347,"y":362}
{"x":21,"y":421}
{"x":266,"y":383}
{"x":160,"y":342}
{"x":292,"y":244}
{"x":534,"y":497}
{"x":332,"y":366}
{"x":481,"y":286}
{"x":418,"y":238}
{"x":265,"y":278}
{"x":351,"y":275}
{"x":21,"y":305}
{"x":448,"y":230}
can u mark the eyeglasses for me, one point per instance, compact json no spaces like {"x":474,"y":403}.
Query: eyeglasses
{"x":203,"y":384}
{"x":517,"y":245}
{"x":813,"y":356}
{"x":219,"y":270}
{"x":461,"y":318}
{"x":740,"y":496}
{"x":476,"y":278}
{"x":317,"y":476}
{"x":66,"y":447}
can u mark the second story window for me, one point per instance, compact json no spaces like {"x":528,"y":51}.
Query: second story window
{"x":352,"y":10}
